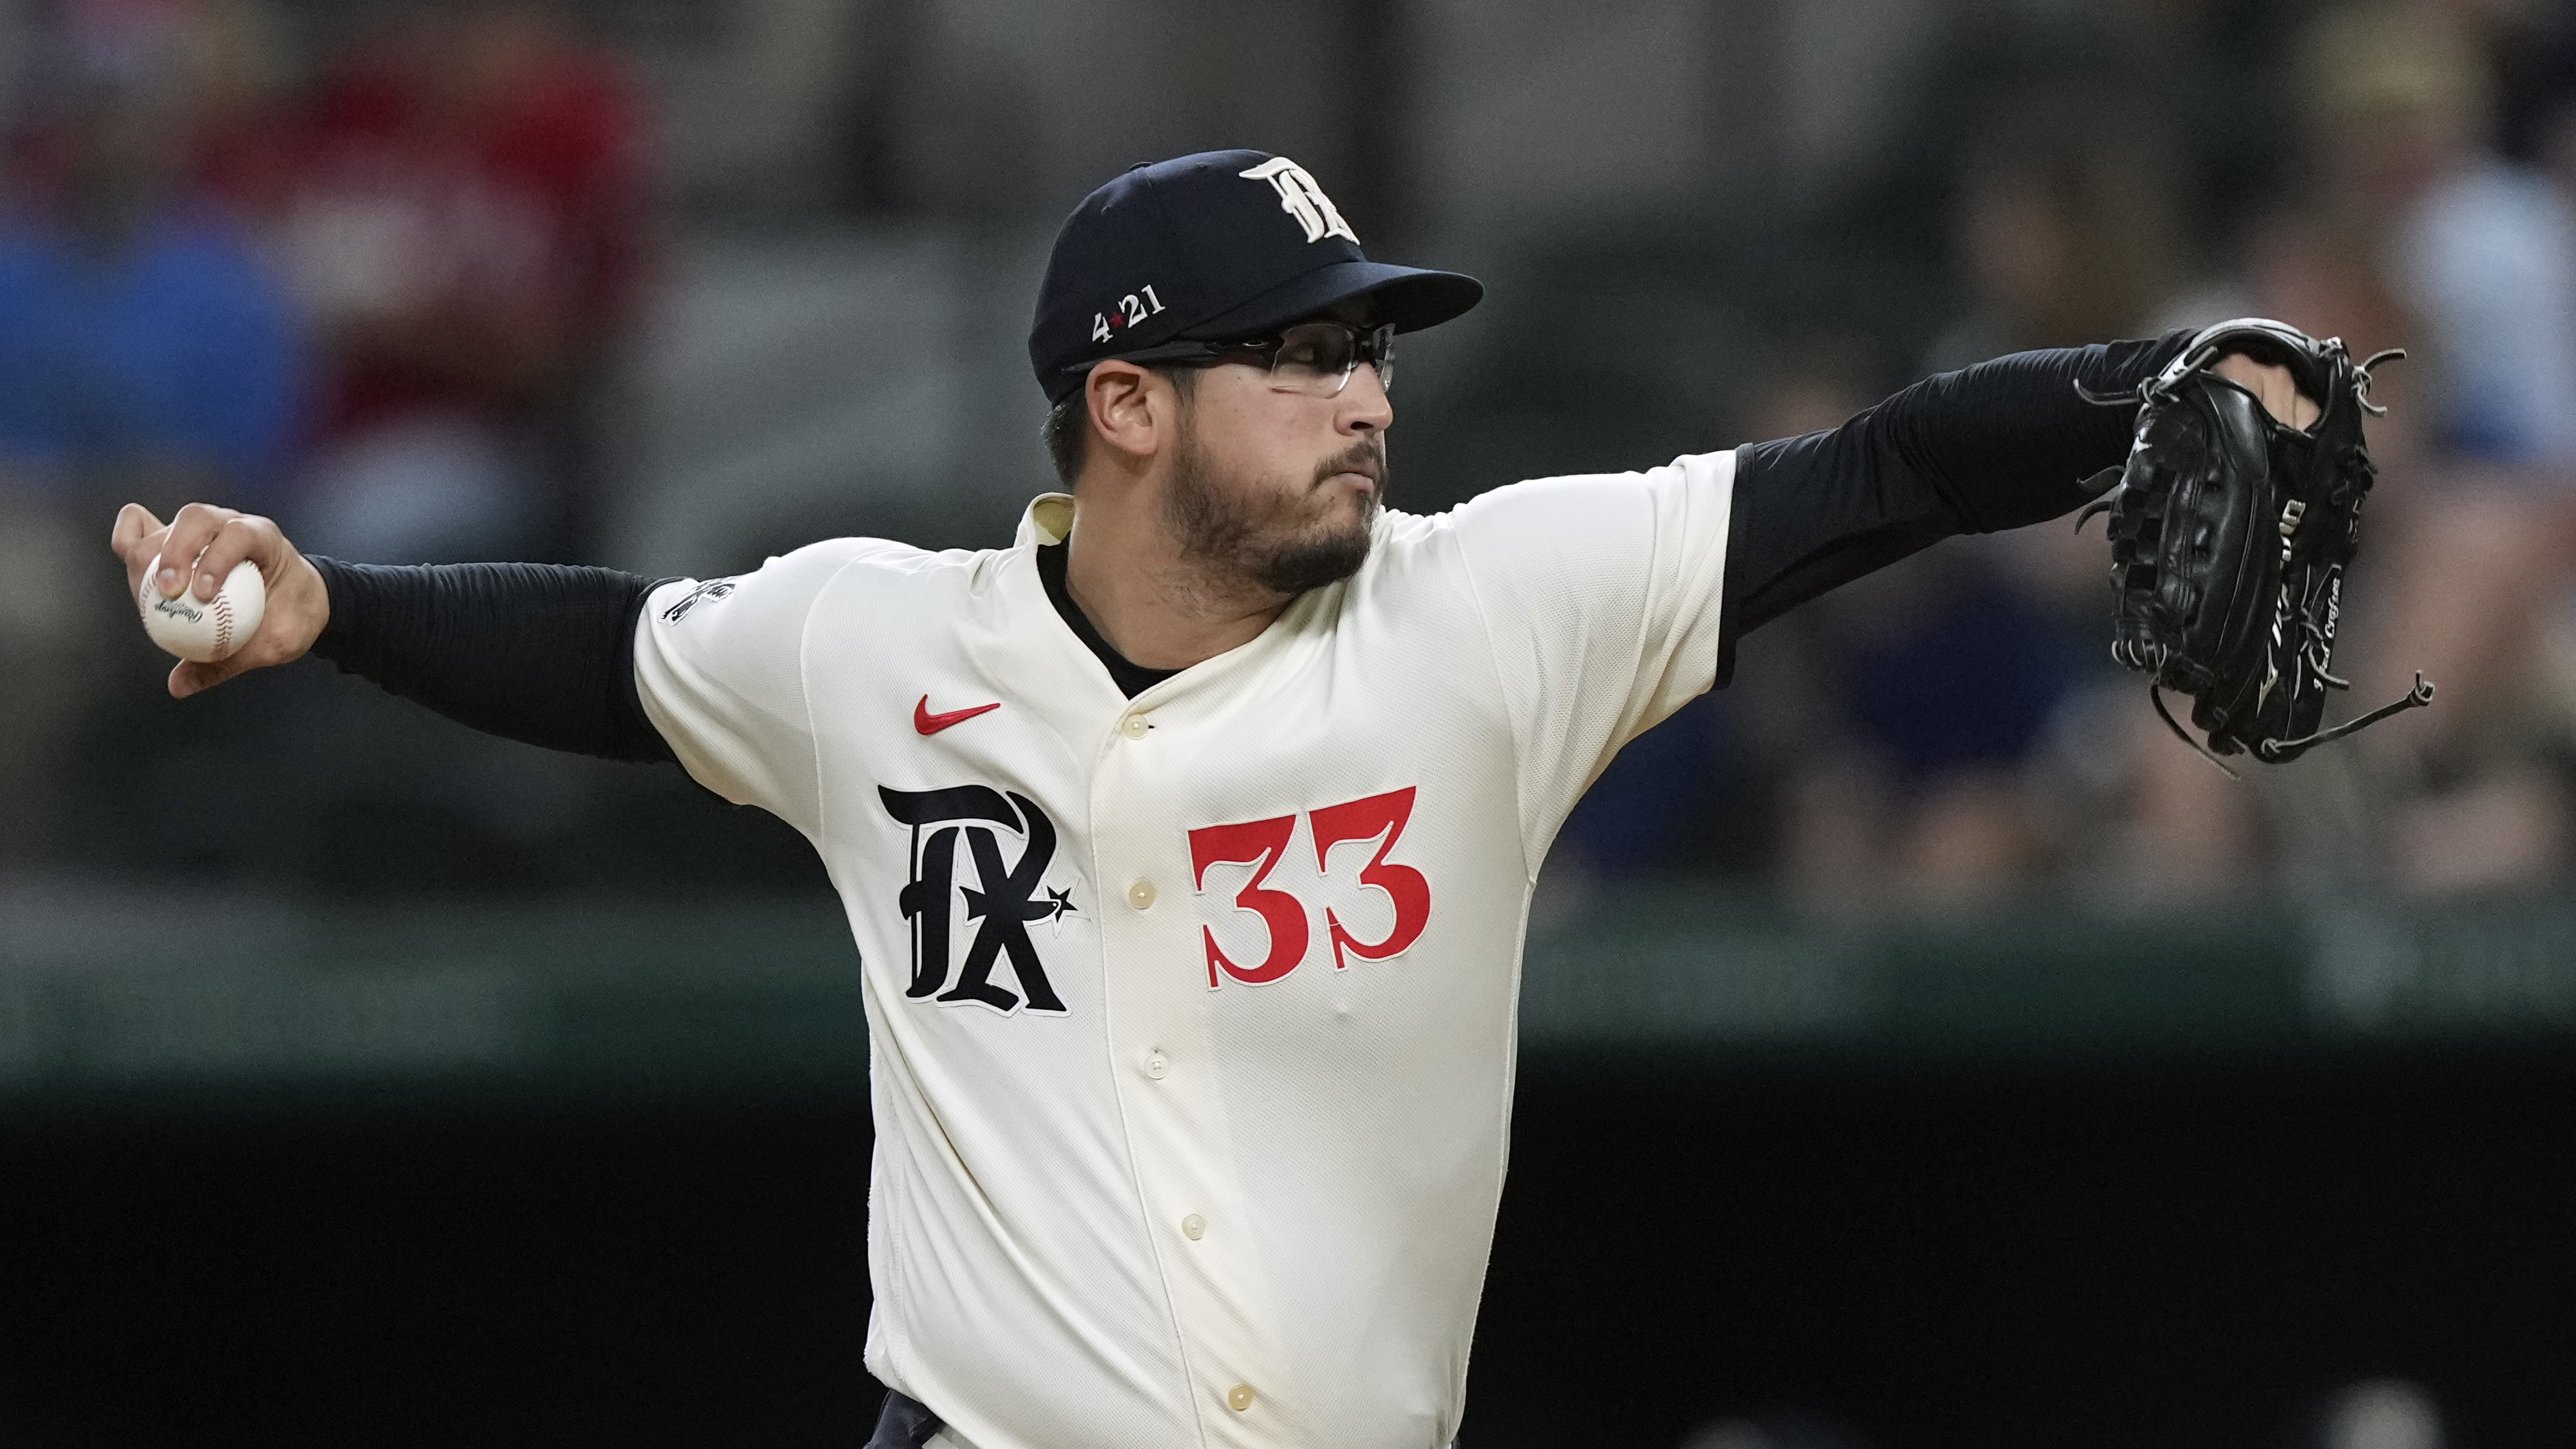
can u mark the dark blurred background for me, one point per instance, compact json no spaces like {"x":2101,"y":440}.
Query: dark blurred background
{"x":1921,"y":1048}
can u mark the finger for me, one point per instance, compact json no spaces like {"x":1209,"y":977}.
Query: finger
{"x":190,"y":532}
{"x":2283,"y":399}
{"x":2272,"y":385}
{"x":136,"y":538}
{"x":2282,"y":396}
{"x":133,"y":522}
{"x":194,"y":678}
{"x":242,"y":536}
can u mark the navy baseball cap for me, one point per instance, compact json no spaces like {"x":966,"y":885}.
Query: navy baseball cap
{"x":1211,"y":248}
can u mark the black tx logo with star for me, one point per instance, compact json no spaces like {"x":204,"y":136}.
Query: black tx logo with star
{"x":1002,"y":902}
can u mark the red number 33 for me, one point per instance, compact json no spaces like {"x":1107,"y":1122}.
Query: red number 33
{"x":1261,"y":843}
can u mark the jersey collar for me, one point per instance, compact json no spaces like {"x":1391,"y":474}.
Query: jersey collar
{"x":1047,"y":521}
{"x":1048,"y":518}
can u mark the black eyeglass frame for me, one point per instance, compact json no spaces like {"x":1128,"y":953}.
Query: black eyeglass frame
{"x":1372,"y":345}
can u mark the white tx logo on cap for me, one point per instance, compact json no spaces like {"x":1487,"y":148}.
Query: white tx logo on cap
{"x":1301,"y":198}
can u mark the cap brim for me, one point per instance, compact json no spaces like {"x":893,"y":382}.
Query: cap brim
{"x":1409,"y":297}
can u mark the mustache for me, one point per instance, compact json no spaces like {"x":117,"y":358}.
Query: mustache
{"x":1365,"y":457}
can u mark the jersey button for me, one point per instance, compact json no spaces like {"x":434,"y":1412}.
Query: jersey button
{"x":1141,"y":894}
{"x":1239,"y":1398}
{"x":1157,"y":1065}
{"x":1134,"y":726}
{"x":1194,"y":1227}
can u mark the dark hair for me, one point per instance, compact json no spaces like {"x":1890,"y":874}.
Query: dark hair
{"x":1067,"y":429}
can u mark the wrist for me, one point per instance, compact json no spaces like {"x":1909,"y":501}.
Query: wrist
{"x":322,"y":586}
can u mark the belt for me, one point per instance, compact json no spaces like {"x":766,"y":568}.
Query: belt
{"x":903,"y":1423}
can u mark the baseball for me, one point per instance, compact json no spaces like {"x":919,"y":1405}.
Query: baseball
{"x":204,"y":632}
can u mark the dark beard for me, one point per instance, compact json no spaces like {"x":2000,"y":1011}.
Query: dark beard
{"x":1239,"y":539}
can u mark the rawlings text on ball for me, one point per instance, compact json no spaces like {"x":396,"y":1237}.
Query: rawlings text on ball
{"x":204,"y":631}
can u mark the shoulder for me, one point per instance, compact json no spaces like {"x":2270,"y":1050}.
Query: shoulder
{"x":1541,"y":512}
{"x":785,"y":583}
{"x":1549,"y":533}
{"x":867,"y":573}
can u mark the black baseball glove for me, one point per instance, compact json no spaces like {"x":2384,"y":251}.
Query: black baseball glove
{"x":2230,"y":533}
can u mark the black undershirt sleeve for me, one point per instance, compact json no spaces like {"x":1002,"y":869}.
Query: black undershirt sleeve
{"x":1995,"y":446}
{"x":537,"y":652}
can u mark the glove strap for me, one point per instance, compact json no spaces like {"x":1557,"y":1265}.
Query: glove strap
{"x":2283,"y":751}
{"x":2279,"y":751}
{"x":2156,"y":695}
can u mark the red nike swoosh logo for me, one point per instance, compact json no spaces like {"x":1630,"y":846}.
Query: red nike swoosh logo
{"x":931,"y":724}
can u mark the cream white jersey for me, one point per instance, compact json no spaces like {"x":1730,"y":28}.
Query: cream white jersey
{"x":1191,"y":1015}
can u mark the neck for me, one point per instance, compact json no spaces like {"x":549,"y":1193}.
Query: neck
{"x":1155,"y":605}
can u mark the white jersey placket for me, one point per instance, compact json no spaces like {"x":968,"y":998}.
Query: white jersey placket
{"x":1162,"y":1034}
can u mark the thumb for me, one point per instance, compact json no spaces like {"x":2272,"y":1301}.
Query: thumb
{"x":191,"y":677}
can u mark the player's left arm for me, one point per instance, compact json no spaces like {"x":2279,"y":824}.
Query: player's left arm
{"x":2000,"y":445}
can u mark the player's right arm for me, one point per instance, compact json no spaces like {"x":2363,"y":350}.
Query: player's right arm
{"x":589,"y":660}
{"x":533,"y":652}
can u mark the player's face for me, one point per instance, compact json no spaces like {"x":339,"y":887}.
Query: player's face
{"x":1279,"y":489}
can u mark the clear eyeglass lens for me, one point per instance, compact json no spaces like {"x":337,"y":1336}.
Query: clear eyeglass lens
{"x":1318,"y":357}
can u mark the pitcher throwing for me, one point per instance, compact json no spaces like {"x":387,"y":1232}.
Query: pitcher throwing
{"x":1188,"y":840}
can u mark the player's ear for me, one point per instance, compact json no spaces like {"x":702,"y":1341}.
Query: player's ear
{"x":1120,"y":396}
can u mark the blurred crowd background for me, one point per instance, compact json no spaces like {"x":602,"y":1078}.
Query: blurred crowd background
{"x":673,"y":284}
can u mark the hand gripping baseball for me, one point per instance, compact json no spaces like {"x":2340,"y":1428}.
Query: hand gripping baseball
{"x":217,"y":539}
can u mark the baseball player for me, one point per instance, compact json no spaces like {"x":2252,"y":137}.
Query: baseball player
{"x":1188,"y":840}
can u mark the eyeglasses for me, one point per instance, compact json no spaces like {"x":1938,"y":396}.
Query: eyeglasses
{"x":1313,"y":358}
